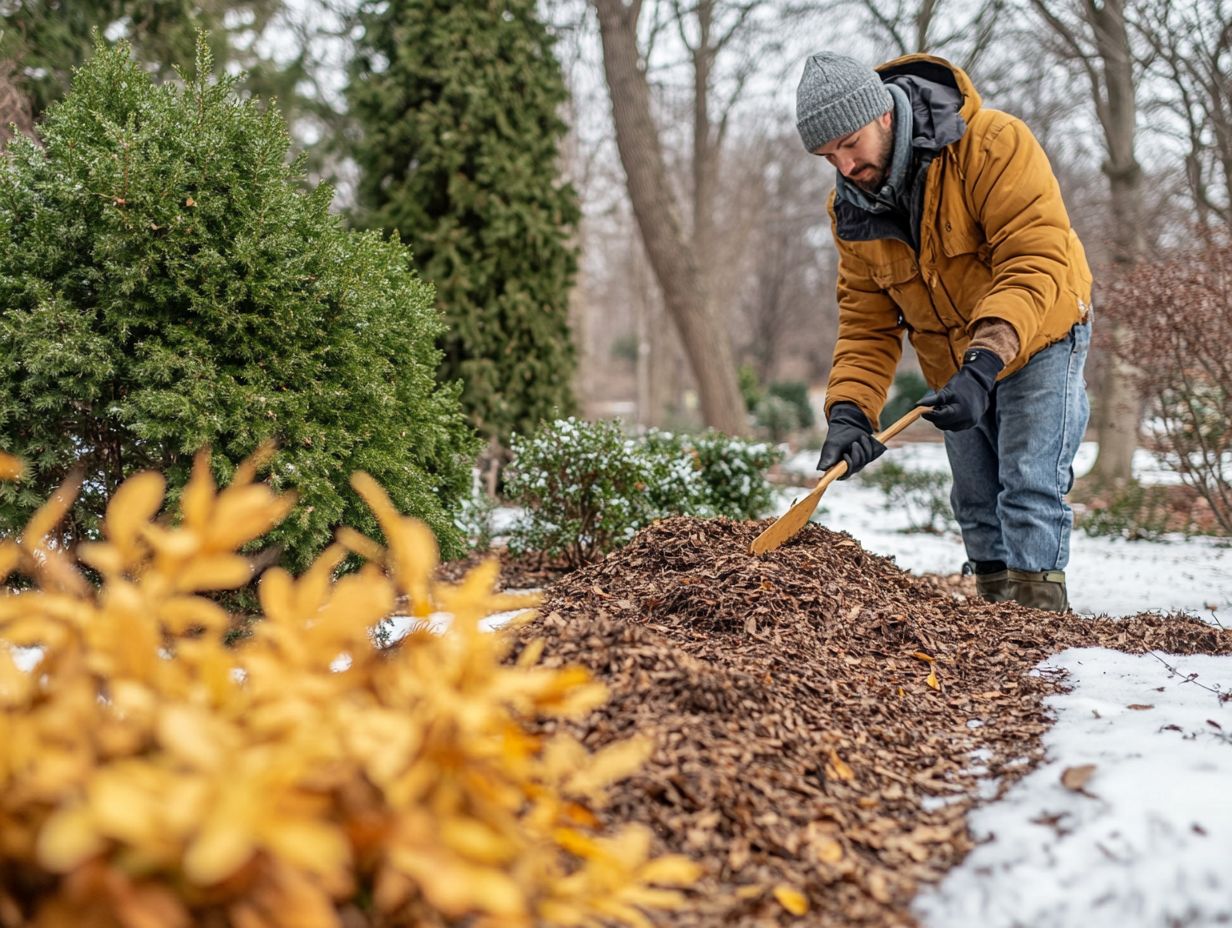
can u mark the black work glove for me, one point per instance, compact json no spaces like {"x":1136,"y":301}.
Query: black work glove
{"x":962,"y":401}
{"x":849,"y":438}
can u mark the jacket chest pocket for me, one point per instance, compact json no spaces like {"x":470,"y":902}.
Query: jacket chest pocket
{"x":960,"y":234}
{"x":895,"y":274}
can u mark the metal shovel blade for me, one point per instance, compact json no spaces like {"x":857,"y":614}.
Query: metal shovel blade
{"x":797,"y":516}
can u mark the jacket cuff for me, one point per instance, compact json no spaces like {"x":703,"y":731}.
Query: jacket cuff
{"x":997,"y":336}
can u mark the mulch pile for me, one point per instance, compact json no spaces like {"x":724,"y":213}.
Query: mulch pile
{"x":822,"y":720}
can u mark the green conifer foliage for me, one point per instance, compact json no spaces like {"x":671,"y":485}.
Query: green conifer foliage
{"x":48,"y":39}
{"x":458,"y":109}
{"x":166,"y":284}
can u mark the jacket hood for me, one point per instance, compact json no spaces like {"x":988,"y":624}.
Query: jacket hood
{"x":935,"y":70}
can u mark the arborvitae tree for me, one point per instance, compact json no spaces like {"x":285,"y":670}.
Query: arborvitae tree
{"x":48,"y":39}
{"x":166,"y":284}
{"x":457,"y":106}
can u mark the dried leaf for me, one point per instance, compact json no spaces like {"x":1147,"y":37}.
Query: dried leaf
{"x":1076,"y":778}
{"x":792,"y":900}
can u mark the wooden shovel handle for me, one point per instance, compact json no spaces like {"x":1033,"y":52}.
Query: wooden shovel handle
{"x":798,"y":515}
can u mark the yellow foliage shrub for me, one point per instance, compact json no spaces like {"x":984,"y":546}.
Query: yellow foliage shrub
{"x":152,"y":777}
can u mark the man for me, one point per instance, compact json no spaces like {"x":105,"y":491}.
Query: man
{"x":950,"y":227}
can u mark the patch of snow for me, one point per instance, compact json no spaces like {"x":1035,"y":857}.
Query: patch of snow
{"x":1146,"y":843}
{"x":399,"y":626}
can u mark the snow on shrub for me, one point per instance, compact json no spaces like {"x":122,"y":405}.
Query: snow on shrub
{"x":587,"y":488}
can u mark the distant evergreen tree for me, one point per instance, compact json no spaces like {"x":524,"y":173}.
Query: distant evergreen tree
{"x":47,"y":39}
{"x":165,"y":285}
{"x":457,"y":104}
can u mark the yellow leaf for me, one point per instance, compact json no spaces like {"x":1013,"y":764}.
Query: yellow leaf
{"x":921,"y":656}
{"x":134,"y":504}
{"x":531,"y":653}
{"x":932,"y":679}
{"x":276,"y":592}
{"x":198,"y":497}
{"x":68,"y":838}
{"x":828,"y":850}
{"x":185,"y":613}
{"x":477,"y":842}
{"x":247,"y":471}
{"x":193,"y":737}
{"x":49,"y":515}
{"x":359,"y":543}
{"x":104,"y":558}
{"x":837,"y":768}
{"x":792,"y":900}
{"x":11,"y":468}
{"x":243,"y":513}
{"x":614,"y":762}
{"x":217,"y":572}
{"x":223,"y":847}
{"x":671,"y":870}
{"x":318,"y":847}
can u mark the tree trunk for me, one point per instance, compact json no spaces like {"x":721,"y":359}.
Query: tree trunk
{"x":14,"y":106}
{"x":1122,"y":406}
{"x":676,"y":266}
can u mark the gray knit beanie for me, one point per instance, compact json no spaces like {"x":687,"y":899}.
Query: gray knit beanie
{"x":837,"y":95}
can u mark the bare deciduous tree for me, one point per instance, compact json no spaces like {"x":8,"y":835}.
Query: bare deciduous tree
{"x":1191,"y":41}
{"x":1095,"y":36}
{"x":787,"y":302}
{"x":963,"y":34}
{"x":684,"y":257}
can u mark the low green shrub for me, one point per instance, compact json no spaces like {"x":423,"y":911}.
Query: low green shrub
{"x":775,"y":417}
{"x":924,"y":495}
{"x":795,"y":394}
{"x":586,"y":488}
{"x":583,"y":488}
{"x":475,"y":520}
{"x":1134,"y":512}
{"x":732,"y":473}
{"x":908,"y":387}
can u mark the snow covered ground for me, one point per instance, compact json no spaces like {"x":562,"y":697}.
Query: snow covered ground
{"x":1148,"y":839}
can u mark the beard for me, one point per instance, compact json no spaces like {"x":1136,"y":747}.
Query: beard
{"x":871,"y":176}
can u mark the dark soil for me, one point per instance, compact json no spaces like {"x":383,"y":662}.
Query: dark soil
{"x":814,"y":710}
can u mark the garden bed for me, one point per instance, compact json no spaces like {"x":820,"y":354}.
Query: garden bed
{"x":822,"y":720}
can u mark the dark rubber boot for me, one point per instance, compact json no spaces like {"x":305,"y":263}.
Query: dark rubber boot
{"x":993,"y":587}
{"x":1039,"y":589}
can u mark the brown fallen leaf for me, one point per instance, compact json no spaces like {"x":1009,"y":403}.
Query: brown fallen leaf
{"x":1140,"y":707}
{"x":1076,"y":778}
{"x":837,"y":768}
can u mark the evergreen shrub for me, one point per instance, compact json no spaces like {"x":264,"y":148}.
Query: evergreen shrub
{"x":587,"y":488}
{"x":458,"y":108}
{"x":166,"y":284}
{"x":923,"y":495}
{"x":908,"y":387}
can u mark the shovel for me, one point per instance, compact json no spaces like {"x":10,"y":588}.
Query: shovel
{"x":797,"y":516}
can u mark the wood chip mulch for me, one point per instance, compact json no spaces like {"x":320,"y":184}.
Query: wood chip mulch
{"x":822,"y":720}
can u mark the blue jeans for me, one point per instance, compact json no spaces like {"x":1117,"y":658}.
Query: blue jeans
{"x":1013,"y":469}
